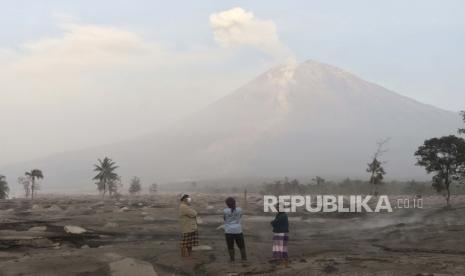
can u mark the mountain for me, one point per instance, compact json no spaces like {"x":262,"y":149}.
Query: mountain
{"x":295,"y":120}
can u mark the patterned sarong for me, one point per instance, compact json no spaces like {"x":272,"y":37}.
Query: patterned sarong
{"x":190,"y":239}
{"x":280,"y":241}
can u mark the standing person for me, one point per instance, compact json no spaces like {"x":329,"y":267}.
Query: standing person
{"x":233,"y":229}
{"x":188,"y":221}
{"x":280,"y":237}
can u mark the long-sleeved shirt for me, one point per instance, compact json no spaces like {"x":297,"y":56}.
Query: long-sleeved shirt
{"x":280,"y":223}
{"x":232,"y":221}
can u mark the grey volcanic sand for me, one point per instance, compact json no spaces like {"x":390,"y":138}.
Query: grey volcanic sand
{"x":428,"y":241}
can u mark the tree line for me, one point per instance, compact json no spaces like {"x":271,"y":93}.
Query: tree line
{"x":443,"y":157}
{"x":109,"y":182}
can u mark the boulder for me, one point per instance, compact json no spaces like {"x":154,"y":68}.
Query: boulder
{"x":123,"y":209}
{"x":129,"y":266}
{"x":72,"y":229}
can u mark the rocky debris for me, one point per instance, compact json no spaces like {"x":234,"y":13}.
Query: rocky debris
{"x":10,"y":239}
{"x":124,"y":209}
{"x":36,"y":243}
{"x":129,"y":266}
{"x":38,"y":228}
{"x":54,"y":208}
{"x":36,"y":207}
{"x":111,"y":225}
{"x":98,"y":204}
{"x":72,"y":229}
{"x":85,"y":246}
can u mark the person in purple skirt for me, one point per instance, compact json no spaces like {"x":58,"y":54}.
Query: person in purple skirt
{"x":280,"y":238}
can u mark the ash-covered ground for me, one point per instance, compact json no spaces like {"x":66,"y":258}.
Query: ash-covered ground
{"x":85,"y":235}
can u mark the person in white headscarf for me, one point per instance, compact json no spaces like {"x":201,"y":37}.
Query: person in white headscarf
{"x":188,"y":223}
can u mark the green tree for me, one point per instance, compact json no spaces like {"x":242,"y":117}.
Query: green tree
{"x":135,"y":186}
{"x":319,"y":180}
{"x":26,"y":183}
{"x":462,"y":130}
{"x":106,"y":176}
{"x":34,"y":175}
{"x":4,"y":189}
{"x":114,"y":187}
{"x":375,"y":167}
{"x":445,"y":157}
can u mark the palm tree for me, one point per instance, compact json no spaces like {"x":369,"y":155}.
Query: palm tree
{"x":105,"y":174}
{"x":3,"y":187}
{"x":33,"y":175}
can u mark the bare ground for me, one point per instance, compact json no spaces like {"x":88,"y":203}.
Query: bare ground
{"x":33,"y":240}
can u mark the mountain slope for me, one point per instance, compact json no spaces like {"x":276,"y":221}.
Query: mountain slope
{"x":298,"y":120}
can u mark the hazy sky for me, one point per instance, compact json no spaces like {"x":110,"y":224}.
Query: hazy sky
{"x":82,"y":73}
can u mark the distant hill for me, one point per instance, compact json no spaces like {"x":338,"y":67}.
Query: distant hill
{"x":296,"y":120}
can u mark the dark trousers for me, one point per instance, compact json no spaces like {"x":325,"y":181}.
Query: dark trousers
{"x":239,"y":239}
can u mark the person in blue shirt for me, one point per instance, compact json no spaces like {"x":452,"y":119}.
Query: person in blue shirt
{"x":233,"y":228}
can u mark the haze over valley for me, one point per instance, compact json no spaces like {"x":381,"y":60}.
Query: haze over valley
{"x":297,"y":120}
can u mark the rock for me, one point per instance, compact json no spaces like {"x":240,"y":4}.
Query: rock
{"x":72,"y":229}
{"x":129,"y":266}
{"x":85,"y":246}
{"x":149,"y":218}
{"x":210,"y":207}
{"x":144,"y":213}
{"x":38,"y":228}
{"x":123,"y":209}
{"x":111,"y":225}
{"x":54,"y":208}
{"x":202,"y":248}
{"x":36,"y":207}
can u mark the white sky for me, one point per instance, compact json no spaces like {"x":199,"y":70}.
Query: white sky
{"x":81,"y":73}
